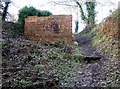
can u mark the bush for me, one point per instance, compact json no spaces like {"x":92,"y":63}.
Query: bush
{"x":28,"y":11}
{"x":18,"y":29}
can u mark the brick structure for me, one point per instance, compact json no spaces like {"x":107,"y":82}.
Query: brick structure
{"x":50,"y":28}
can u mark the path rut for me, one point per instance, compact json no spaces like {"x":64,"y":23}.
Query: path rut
{"x":90,"y":73}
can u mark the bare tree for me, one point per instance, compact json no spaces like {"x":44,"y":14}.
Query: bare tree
{"x":88,"y":18}
{"x":1,"y":8}
{"x":11,"y":17}
{"x":87,"y":15}
{"x":5,"y":10}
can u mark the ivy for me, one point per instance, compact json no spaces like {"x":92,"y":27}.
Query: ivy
{"x":91,"y":12}
{"x":90,"y":18}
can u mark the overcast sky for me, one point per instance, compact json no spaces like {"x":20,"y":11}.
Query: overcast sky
{"x":103,"y":8}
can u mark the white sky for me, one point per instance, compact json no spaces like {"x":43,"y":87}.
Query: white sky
{"x":103,"y":9}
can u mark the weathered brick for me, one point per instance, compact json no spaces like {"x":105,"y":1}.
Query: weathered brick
{"x":50,"y":28}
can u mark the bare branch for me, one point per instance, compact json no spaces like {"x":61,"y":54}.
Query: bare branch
{"x":63,"y":3}
{"x":81,"y":10}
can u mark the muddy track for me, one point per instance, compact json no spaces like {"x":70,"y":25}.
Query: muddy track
{"x":86,"y":46}
{"x":90,"y":74}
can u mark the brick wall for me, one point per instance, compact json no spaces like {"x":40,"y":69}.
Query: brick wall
{"x":49,"y":29}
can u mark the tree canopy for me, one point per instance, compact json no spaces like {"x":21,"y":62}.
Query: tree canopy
{"x":29,"y":11}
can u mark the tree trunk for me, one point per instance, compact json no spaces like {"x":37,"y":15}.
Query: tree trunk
{"x":5,"y":11}
{"x":81,"y":10}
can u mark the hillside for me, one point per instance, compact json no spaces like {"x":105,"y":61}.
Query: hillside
{"x":28,"y":64}
{"x":105,"y":39}
{"x":106,"y":36}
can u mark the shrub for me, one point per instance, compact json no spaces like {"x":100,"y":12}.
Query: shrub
{"x":18,"y":29}
{"x":29,"y":11}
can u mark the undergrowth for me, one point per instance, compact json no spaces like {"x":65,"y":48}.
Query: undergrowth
{"x":42,"y":62}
